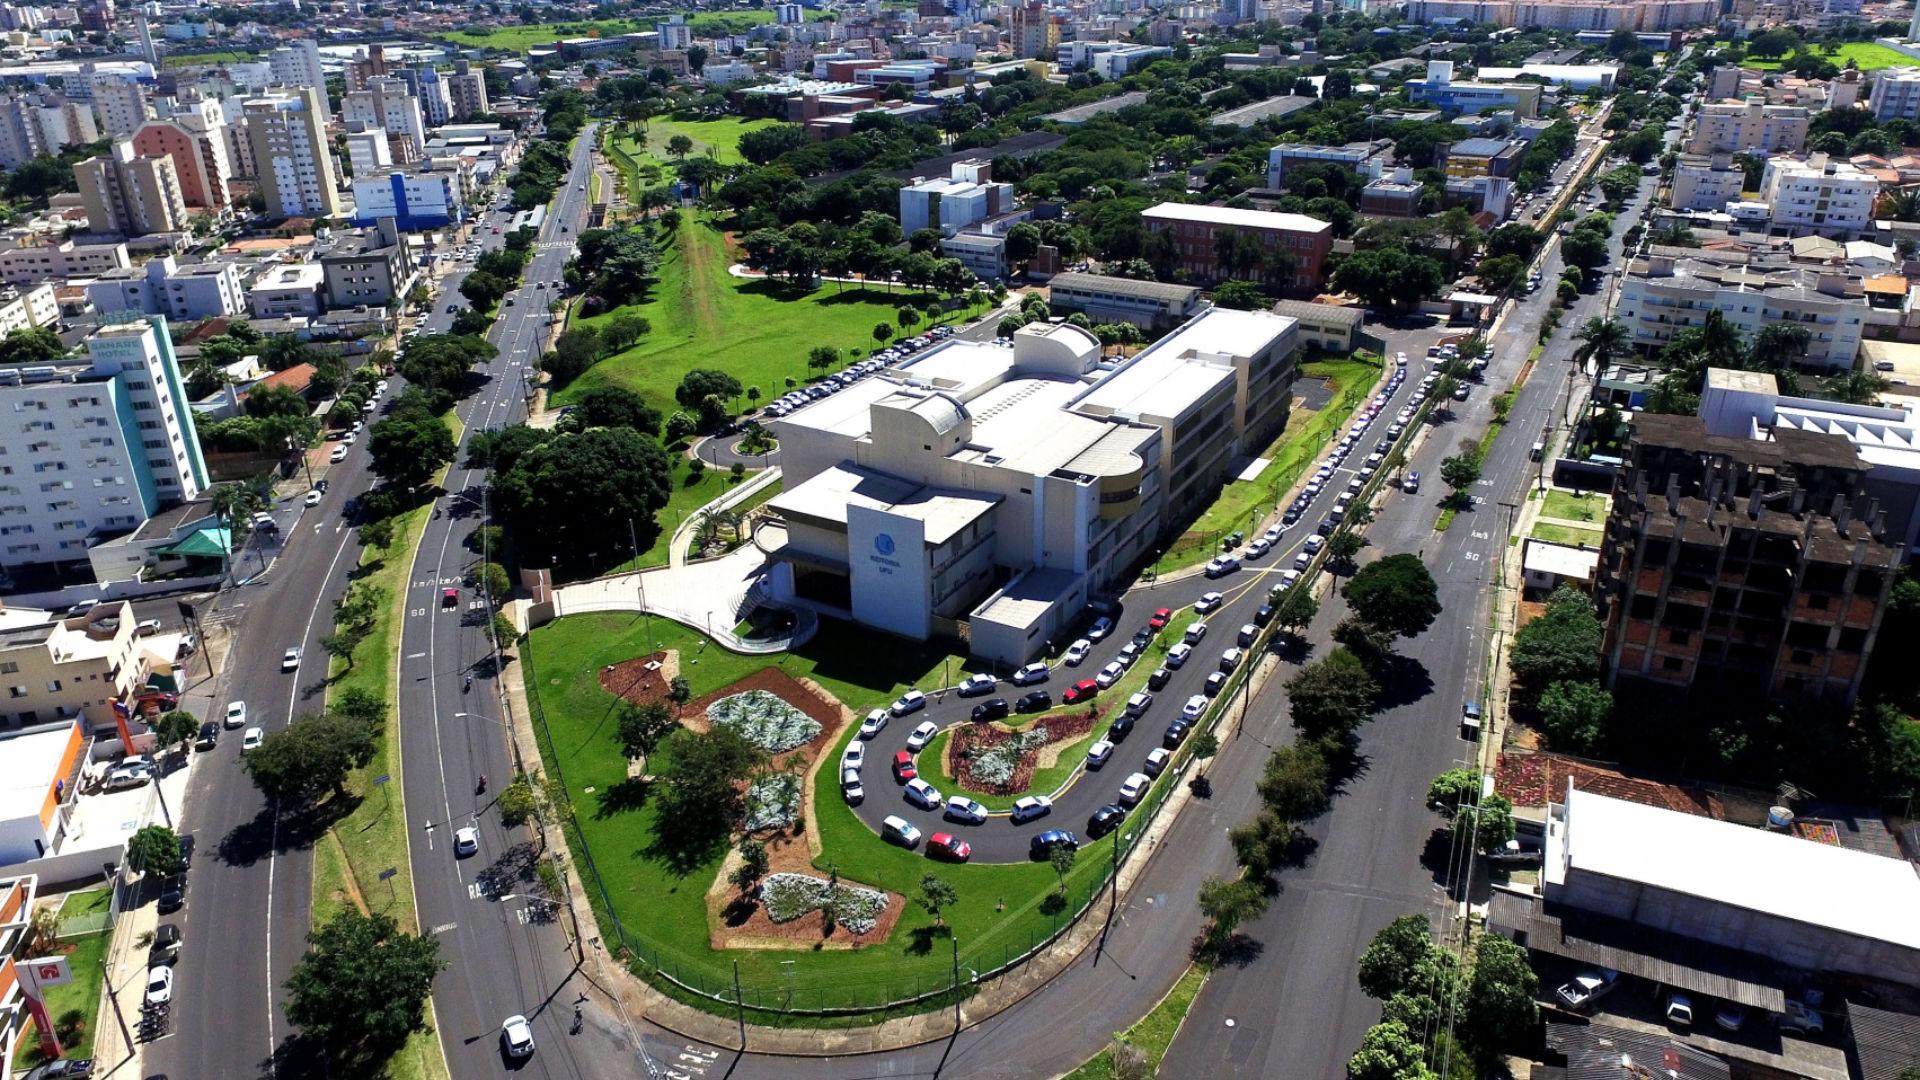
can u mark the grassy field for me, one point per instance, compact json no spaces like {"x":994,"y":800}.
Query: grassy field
{"x":1243,"y":502}
{"x":758,"y":331}
{"x":721,"y":136}
{"x":685,"y":499}
{"x":1574,"y":506}
{"x":1864,"y":55}
{"x":1566,"y":534}
{"x":79,"y":1000}
{"x":1155,"y":1031}
{"x":997,"y":917}
{"x":224,"y":56}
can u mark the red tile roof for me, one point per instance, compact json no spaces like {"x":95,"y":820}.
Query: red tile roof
{"x":1531,"y":778}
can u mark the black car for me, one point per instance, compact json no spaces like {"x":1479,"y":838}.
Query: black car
{"x":1176,"y":734}
{"x":1326,"y":527}
{"x":1034,"y":701}
{"x":990,"y":710}
{"x":173,"y":894}
{"x":1158,"y":680}
{"x":1105,"y":820}
{"x":1121,"y":727}
{"x":166,"y":945}
{"x":1216,"y":682}
{"x":65,"y":1069}
{"x":1290,"y":516}
{"x":1043,"y":844}
{"x":1263,"y":615}
{"x":1143,"y":637}
{"x":209,"y":736}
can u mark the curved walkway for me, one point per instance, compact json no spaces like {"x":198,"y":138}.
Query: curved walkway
{"x":724,"y":452}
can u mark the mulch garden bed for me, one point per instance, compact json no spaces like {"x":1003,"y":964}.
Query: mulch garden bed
{"x":632,"y":681}
{"x":1060,"y":728}
{"x":738,"y":922}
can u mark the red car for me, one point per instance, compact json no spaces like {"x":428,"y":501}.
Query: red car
{"x":903,"y":769}
{"x":946,"y":846}
{"x":1160,"y":618}
{"x":1080,"y":691}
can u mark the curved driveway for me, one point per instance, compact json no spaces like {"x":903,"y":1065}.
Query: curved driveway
{"x":1086,"y":790}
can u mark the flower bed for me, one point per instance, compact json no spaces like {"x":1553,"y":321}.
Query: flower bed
{"x":991,"y":759}
{"x":773,"y":801}
{"x":764,"y":720}
{"x":787,"y":897}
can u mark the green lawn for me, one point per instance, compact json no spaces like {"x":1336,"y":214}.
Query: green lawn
{"x":722,"y":136}
{"x":998,"y":914}
{"x":1574,"y":506}
{"x":1155,"y":1031}
{"x":1865,"y":55}
{"x":86,"y":902}
{"x":1242,"y":503}
{"x":1565,"y":534}
{"x":727,"y":22}
{"x":75,"y":1006}
{"x":521,"y":38}
{"x":759,"y":331}
{"x":224,"y":56}
{"x":686,"y":498}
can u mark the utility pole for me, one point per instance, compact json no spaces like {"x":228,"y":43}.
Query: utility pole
{"x":739,"y":1009}
{"x":954,"y":940}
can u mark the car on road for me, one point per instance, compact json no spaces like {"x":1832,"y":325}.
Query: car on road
{"x":1222,"y":566}
{"x":1156,"y":762}
{"x":898,"y":830}
{"x":1216,"y":682}
{"x":173,"y":894}
{"x":918,"y":738}
{"x":961,"y":808}
{"x":313,"y":497}
{"x":1121,"y":727}
{"x":251,"y":739}
{"x":992,"y":709}
{"x":975,"y":685}
{"x":1159,"y":678}
{"x":851,"y":788}
{"x":910,"y":702}
{"x":1314,"y":544}
{"x":1134,"y":788}
{"x":1230,"y":660}
{"x":1161,"y":616}
{"x":1084,"y":690}
{"x":949,"y":847}
{"x":1034,"y":701}
{"x":1206,"y":603}
{"x":903,"y":767}
{"x":1177,"y":656}
{"x":516,"y":1035}
{"x":1110,"y":674}
{"x":290,"y":660}
{"x":1259,"y":547}
{"x":64,"y":1069}
{"x":1105,"y":820}
{"x":1043,"y":844}
{"x":1099,"y":753}
{"x":1195,"y":633}
{"x":1248,"y":632}
{"x":466,"y":841}
{"x":1101,"y":627}
{"x":209,"y":736}
{"x":159,"y":985}
{"x":1030,"y":807}
{"x":875,"y":723}
{"x":1411,"y":485}
{"x":1587,"y":987}
{"x":166,"y":945}
{"x":924,"y":795}
{"x":1194,"y":709}
{"x":1139,"y":703}
{"x":1032,"y":673}
{"x":1077,"y":652}
{"x":1176,"y":733}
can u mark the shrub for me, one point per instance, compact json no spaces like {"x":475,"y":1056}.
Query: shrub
{"x":790,"y":896}
{"x":773,"y":801}
{"x":764,"y":720}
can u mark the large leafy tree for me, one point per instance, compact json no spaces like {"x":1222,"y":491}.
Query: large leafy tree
{"x":566,"y":493}
{"x":1563,"y":644}
{"x":612,"y":406}
{"x":701,"y":797}
{"x":154,"y":849}
{"x":1500,"y":1007}
{"x":1332,"y":696}
{"x":409,"y":447}
{"x":1389,"y":1052}
{"x":363,"y":984}
{"x":1396,"y":593}
{"x":309,"y":757}
{"x":1390,"y":278}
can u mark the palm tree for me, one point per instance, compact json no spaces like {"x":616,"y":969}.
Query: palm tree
{"x":1600,"y":340}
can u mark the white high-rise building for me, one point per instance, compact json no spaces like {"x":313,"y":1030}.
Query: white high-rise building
{"x":436,"y":98}
{"x":291,"y":157}
{"x":21,"y":138}
{"x":469,"y":90}
{"x":368,"y":154}
{"x":66,"y":123}
{"x":389,"y":104}
{"x":1895,"y":94}
{"x":1822,"y":195}
{"x":121,"y":104}
{"x":297,"y":63}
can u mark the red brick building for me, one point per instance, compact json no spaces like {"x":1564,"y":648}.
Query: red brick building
{"x":1300,"y":241}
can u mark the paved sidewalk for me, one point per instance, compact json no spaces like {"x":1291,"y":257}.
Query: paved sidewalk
{"x":710,"y":596}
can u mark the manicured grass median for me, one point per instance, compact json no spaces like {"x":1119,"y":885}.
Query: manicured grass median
{"x":663,"y":907}
{"x":1155,"y":1031}
{"x":758,"y":331}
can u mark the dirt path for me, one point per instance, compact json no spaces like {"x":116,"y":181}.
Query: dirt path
{"x":706,"y":258}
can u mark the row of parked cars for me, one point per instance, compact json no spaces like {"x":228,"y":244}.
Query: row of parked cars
{"x":833,"y":384}
{"x":1801,"y":1016}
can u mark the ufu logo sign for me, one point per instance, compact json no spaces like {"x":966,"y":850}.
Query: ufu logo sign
{"x":883,"y":547}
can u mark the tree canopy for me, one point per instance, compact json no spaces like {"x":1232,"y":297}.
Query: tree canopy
{"x":363,"y":983}
{"x":1396,"y":593}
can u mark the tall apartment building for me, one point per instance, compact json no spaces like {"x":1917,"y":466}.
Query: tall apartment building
{"x":362,"y":71}
{"x":1895,"y":94}
{"x":1195,"y":232}
{"x":1742,"y":563}
{"x":297,"y":63}
{"x":1740,"y":127}
{"x":119,"y":102}
{"x":163,"y":287}
{"x":66,"y":668}
{"x":953,"y":202}
{"x":291,"y":156}
{"x":130,"y":193}
{"x":1032,"y":30}
{"x":21,"y":139}
{"x":42,"y":124}
{"x":436,"y":97}
{"x":95,"y":447}
{"x":1674,"y":288}
{"x":368,"y":153}
{"x":199,"y":157}
{"x":33,"y":260}
{"x":65,"y":123}
{"x":674,"y":33}
{"x":1706,"y":182}
{"x":1824,"y":195}
{"x":469,"y":90}
{"x":390,"y":105}
{"x":373,"y":268}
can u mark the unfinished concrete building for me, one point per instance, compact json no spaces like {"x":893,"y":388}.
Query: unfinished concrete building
{"x":1742,"y":563}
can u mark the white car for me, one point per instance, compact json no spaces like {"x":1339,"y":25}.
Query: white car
{"x":1177,"y":656}
{"x":850,"y":787}
{"x":236,"y":714}
{"x":1315,"y":543}
{"x":339,"y":455}
{"x":127,"y":776}
{"x":1031,"y":807}
{"x":1032,"y":673}
{"x":1195,"y":632}
{"x":855,"y":757}
{"x":313,"y":497}
{"x":1195,"y":707}
{"x":920,"y":736}
{"x":466,"y":841}
{"x":900,"y":831}
{"x":251,"y":739}
{"x":1207,"y":602}
{"x":290,"y":660}
{"x":961,"y":808}
{"x":1098,"y":753}
{"x":1222,"y":566}
{"x":975,"y":685}
{"x":1259,"y":547}
{"x":1110,"y":674}
{"x":923,"y":794}
{"x":1077,"y":652}
{"x":1101,"y":628}
{"x":1134,"y":787}
{"x":1272,"y":535}
{"x":1157,"y":759}
{"x":911,"y":701}
{"x":875,"y":723}
{"x":516,"y":1037}
{"x":159,"y":984}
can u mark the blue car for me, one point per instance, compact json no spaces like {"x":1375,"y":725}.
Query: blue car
{"x":1043,"y":844}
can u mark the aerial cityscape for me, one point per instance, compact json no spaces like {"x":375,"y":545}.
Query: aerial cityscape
{"x":1030,"y":540}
